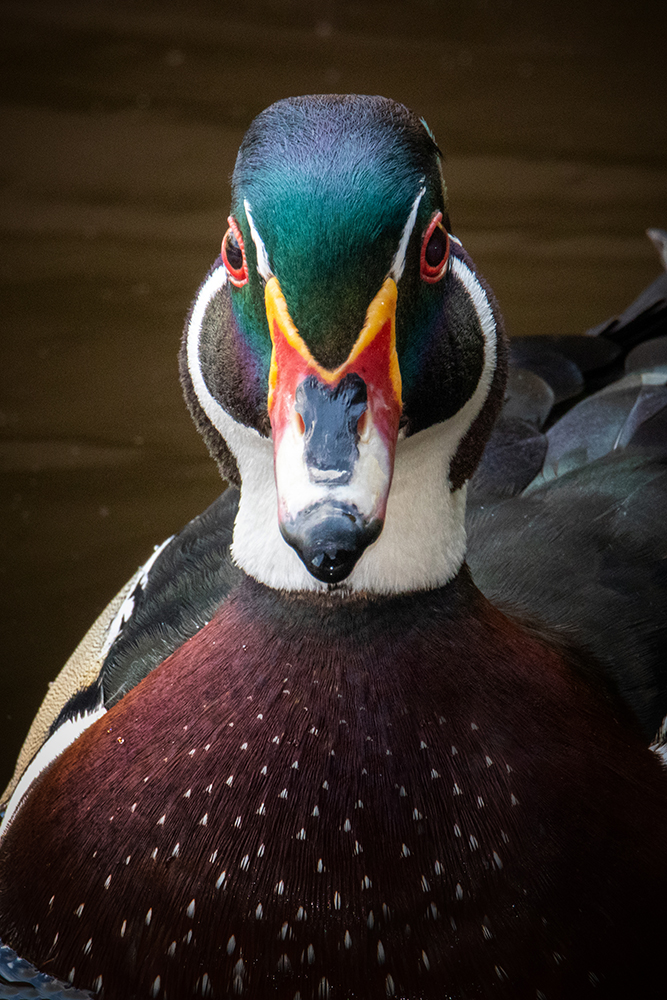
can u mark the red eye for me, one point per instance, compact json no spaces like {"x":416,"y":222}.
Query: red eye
{"x":233,"y":255}
{"x":435,"y":250}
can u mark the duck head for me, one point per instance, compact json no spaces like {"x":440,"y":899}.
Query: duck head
{"x":343,"y":360}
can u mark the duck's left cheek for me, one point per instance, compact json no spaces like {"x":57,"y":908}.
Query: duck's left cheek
{"x":334,"y":435}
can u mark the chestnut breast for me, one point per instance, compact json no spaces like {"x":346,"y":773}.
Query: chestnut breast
{"x":409,"y":797}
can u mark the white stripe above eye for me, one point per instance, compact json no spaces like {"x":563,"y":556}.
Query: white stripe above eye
{"x":398,"y":263}
{"x":263,"y":265}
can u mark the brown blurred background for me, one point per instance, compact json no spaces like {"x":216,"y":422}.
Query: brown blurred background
{"x":120,"y":125}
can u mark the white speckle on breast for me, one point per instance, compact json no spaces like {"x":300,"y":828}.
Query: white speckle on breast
{"x":190,"y":912}
{"x":123,"y":928}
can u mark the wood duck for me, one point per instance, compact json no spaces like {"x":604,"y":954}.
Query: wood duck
{"x":302,"y":754}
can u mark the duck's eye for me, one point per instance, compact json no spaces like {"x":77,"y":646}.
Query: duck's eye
{"x":233,"y":254}
{"x":435,"y":250}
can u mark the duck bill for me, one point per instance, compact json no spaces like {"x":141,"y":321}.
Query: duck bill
{"x":334,"y":436}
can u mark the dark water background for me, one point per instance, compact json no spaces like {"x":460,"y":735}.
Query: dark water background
{"x":120,"y":125}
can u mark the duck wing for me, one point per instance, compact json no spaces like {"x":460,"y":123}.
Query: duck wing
{"x":575,"y":536}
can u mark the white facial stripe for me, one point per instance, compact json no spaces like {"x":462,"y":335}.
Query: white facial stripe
{"x":263,"y":266}
{"x":258,"y":547}
{"x":398,"y":263}
{"x":221,"y":420}
{"x":64,"y":735}
{"x":423,"y":542}
{"x":469,"y":411}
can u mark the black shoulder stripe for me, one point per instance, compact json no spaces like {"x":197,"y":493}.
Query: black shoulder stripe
{"x":82,"y":703}
{"x":188,"y":582}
